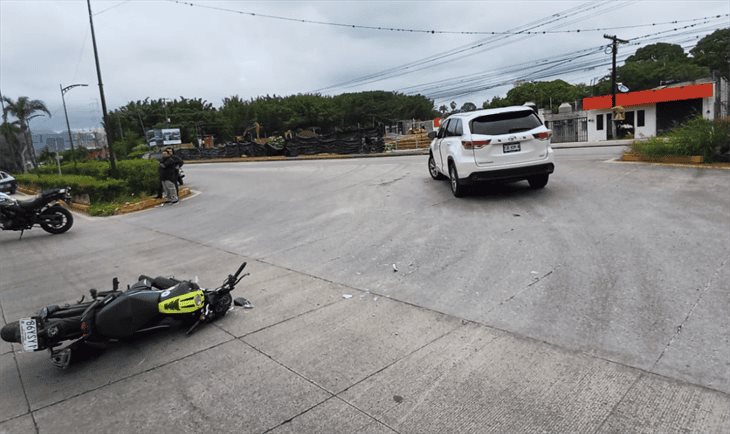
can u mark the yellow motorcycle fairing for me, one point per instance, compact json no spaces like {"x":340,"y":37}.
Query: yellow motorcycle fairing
{"x":186,"y":303}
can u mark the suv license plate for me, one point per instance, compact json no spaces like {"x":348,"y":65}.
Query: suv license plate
{"x":28,"y":334}
{"x":511,"y":147}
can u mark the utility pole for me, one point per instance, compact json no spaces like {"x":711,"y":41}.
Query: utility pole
{"x":614,"y":111}
{"x":107,"y":127}
{"x":614,"y":51}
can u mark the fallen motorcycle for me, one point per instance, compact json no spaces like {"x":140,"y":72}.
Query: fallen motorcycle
{"x":43,"y":210}
{"x":149,"y":304}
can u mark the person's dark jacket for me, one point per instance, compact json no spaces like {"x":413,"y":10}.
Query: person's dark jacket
{"x":168,"y":168}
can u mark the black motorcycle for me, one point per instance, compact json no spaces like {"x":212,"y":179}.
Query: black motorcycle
{"x":147,"y":305}
{"x":43,"y":210}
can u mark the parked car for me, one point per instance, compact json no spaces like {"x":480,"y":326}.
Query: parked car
{"x":8,"y":183}
{"x":495,"y":145}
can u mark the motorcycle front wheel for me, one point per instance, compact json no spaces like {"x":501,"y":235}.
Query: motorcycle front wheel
{"x":56,"y":220}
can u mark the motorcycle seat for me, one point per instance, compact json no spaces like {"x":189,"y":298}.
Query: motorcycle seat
{"x":32,"y":203}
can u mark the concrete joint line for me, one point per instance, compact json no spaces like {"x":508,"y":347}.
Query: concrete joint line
{"x":20,"y":377}
{"x":678,"y":330}
{"x":132,"y":376}
{"x":615,"y":406}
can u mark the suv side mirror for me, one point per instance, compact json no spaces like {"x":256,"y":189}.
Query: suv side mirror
{"x":432,"y":135}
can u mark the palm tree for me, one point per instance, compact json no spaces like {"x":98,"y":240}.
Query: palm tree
{"x":24,"y":109}
{"x":10,"y":145}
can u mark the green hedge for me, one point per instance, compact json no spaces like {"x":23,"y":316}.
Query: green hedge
{"x":139,"y":176}
{"x":99,"y":190}
{"x":710,"y":139}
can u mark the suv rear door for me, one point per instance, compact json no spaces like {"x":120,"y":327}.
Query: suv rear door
{"x":451,"y":140}
{"x":510,"y":137}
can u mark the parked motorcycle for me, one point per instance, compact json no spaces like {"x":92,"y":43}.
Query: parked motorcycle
{"x":43,"y":210}
{"x":147,"y":305}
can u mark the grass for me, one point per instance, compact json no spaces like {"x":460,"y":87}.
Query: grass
{"x":709,"y":139}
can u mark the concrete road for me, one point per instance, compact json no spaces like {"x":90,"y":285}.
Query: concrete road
{"x":598,"y":304}
{"x":624,"y":261}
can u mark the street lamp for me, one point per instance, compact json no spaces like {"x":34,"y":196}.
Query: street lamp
{"x":68,"y":127}
{"x":32,"y":146}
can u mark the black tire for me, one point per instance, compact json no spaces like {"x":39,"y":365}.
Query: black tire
{"x":538,"y":181}
{"x":64,"y":220}
{"x":432,"y":169}
{"x":11,"y":332}
{"x":457,"y":187}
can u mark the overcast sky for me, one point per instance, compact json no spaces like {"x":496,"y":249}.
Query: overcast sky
{"x":199,"y":48}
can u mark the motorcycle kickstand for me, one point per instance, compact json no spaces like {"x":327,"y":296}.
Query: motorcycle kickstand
{"x":21,"y":234}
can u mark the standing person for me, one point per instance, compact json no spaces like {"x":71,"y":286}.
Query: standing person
{"x":168,"y":175}
{"x":179,"y":175}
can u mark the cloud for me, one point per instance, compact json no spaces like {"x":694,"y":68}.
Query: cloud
{"x":162,"y":49}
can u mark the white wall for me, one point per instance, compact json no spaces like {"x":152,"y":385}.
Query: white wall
{"x":648,"y":130}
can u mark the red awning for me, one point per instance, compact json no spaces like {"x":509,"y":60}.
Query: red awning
{"x":653,"y":96}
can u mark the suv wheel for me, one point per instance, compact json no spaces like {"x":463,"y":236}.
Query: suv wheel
{"x":432,"y":169}
{"x":457,"y":187}
{"x":538,"y":181}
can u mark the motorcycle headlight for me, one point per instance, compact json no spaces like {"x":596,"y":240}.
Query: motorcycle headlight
{"x":44,"y":312}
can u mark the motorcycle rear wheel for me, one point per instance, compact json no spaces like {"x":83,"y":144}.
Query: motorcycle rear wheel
{"x":62,"y":220}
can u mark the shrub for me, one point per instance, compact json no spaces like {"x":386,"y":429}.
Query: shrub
{"x":699,"y":136}
{"x":141,"y":176}
{"x":103,"y":209}
{"x":97,"y":189}
{"x":96,"y":169}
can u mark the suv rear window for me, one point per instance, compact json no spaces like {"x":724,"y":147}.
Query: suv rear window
{"x":505,"y":123}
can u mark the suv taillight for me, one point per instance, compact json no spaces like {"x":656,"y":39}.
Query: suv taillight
{"x":472,"y":144}
{"x":544,"y":135}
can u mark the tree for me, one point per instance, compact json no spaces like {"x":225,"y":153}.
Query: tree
{"x":453,"y":105}
{"x":658,"y":64}
{"x":713,"y":52}
{"x":443,"y":109}
{"x":468,"y":107}
{"x":25,"y":109}
{"x":9,"y":146}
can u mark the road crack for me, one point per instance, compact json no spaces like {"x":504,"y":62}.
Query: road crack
{"x":678,"y":329}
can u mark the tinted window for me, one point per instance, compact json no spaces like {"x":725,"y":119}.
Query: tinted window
{"x":505,"y":123}
{"x":640,"y":118}
{"x":599,"y":122}
{"x":458,"y":129}
{"x":452,"y":126}
{"x":442,"y":129}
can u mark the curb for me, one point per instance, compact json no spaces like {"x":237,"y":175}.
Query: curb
{"x":310,"y":157}
{"x":127,"y":208}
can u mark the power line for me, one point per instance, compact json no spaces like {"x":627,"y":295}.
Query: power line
{"x":408,"y":68}
{"x":413,"y":30}
{"x":474,"y":79}
{"x":561,"y":66}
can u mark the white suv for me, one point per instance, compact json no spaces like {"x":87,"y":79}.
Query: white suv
{"x":495,"y":145}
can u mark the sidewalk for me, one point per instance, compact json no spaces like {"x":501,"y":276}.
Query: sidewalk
{"x":312,"y":356}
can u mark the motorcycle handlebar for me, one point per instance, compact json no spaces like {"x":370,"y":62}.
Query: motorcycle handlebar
{"x":239,"y":270}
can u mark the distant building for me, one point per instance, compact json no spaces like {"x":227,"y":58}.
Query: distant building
{"x":651,"y":112}
{"x":51,"y":140}
{"x":646,"y":112}
{"x":58,"y":141}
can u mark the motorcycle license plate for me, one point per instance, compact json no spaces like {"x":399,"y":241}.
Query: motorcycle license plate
{"x":28,"y":334}
{"x":510,"y":147}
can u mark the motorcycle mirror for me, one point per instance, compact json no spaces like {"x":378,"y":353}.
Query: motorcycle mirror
{"x":242,"y":302}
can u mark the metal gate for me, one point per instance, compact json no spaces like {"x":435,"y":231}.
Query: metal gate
{"x":569,"y":130}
